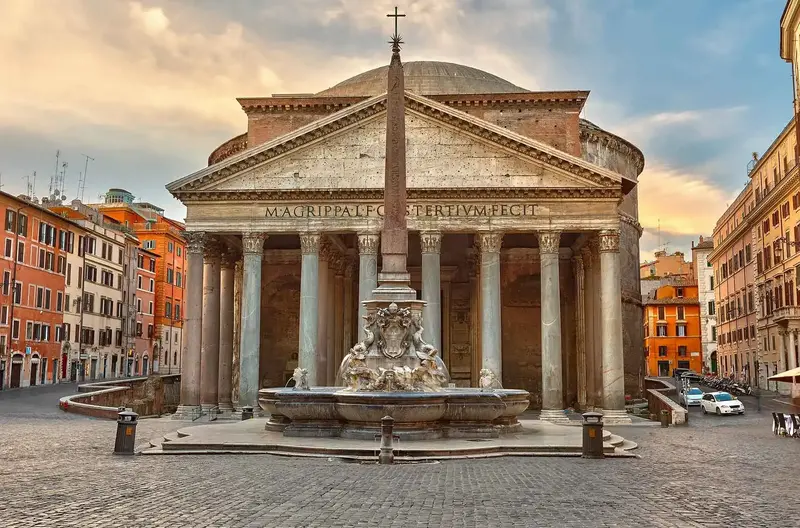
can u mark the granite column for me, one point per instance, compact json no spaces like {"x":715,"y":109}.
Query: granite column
{"x":580,"y":328}
{"x":589,"y":263}
{"x":322,"y":316}
{"x":189,"y":407}
{"x":611,"y":330}
{"x":330,"y":323}
{"x":552,"y":368}
{"x":250,"y":348}
{"x":491,"y":342}
{"x":209,"y":363}
{"x":226,"y":325}
{"x":338,"y":319}
{"x":431,"y":243}
{"x":309,"y":304}
{"x":367,"y":274}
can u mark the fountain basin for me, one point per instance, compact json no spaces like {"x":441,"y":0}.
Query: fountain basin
{"x":334,"y":412}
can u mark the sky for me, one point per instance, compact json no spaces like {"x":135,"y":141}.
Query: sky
{"x":147,"y":88}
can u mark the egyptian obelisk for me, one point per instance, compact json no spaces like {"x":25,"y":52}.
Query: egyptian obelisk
{"x":394,"y":279}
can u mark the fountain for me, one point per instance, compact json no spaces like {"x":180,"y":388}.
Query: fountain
{"x":393,"y":371}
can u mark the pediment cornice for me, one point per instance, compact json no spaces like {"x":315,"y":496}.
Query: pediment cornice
{"x":370,"y":108}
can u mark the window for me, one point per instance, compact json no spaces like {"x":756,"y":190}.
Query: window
{"x":662,"y":351}
{"x":170,"y":246}
{"x":661,"y":315}
{"x":4,"y":314}
{"x":681,"y":330}
{"x":682,"y":351}
{"x":91,"y":273}
{"x":15,"y":329}
{"x":713,"y":333}
{"x":11,"y":220}
{"x":177,"y":313}
{"x":149,"y":244}
{"x":785,"y":210}
{"x":138,"y":329}
{"x":66,"y":303}
{"x":88,"y":302}
{"x":178,"y":280}
{"x":150,"y":331}
{"x":39,"y":297}
{"x":168,"y":310}
{"x":20,"y":251}
{"x":69,"y":274}
{"x":711,"y":308}
{"x":138,"y":305}
{"x":748,"y":256}
{"x":759,"y":264}
{"x":6,"y":282}
{"x":107,"y":278}
{"x":9,"y":248}
{"x":661,"y":330}
{"x":152,"y":285}
{"x":169,"y":275}
{"x":22,"y":226}
{"x":150,"y":308}
{"x":47,"y":299}
{"x":153,"y":265}
{"x":746,"y":333}
{"x":765,"y":226}
{"x":17,"y":292}
{"x":681,"y":313}
{"x":139,"y":282}
{"x":750,"y":304}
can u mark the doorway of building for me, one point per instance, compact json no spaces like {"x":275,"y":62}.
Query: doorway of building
{"x":683,"y":364}
{"x":55,"y":371}
{"x":144,"y":366}
{"x":2,"y":374}
{"x":43,"y":371}
{"x":16,"y":371}
{"x":34,"y":370}
{"x":663,"y":368}
{"x":714,"y":362}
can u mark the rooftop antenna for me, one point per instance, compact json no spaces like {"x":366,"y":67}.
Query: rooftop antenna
{"x":54,"y":178}
{"x":82,"y":182}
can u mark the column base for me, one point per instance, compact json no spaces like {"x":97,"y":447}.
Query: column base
{"x":225,"y":407}
{"x":187,"y":412}
{"x":615,"y":417}
{"x":553,"y":416}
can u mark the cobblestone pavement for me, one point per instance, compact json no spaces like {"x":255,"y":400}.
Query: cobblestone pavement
{"x":57,"y":470}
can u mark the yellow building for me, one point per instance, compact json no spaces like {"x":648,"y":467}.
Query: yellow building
{"x":790,"y":51}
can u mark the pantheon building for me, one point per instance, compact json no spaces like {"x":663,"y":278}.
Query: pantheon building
{"x":285,"y":223}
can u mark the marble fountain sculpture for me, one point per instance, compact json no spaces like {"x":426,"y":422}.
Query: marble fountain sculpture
{"x":393,"y":371}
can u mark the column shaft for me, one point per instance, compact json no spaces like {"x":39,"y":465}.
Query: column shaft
{"x":330,"y":324}
{"x":367,"y":274}
{"x":226,"y":325}
{"x":792,"y":357}
{"x":552,"y":368}
{"x":613,"y":363}
{"x":598,"y":325}
{"x":589,"y":265}
{"x":193,"y":325}
{"x":491,"y":342}
{"x":250,"y":349}
{"x":347,"y":334}
{"x":209,"y":364}
{"x":580,"y":330}
{"x":309,"y":304}
{"x":322,"y":318}
{"x":338,"y":321}
{"x":431,"y":243}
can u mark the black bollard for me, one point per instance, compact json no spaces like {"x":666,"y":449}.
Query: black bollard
{"x":247,"y":412}
{"x":126,"y":432}
{"x":666,"y":417}
{"x":592,"y":435}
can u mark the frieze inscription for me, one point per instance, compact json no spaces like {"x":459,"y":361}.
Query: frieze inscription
{"x":419,"y":210}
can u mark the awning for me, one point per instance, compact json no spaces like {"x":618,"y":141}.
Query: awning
{"x":788,"y":376}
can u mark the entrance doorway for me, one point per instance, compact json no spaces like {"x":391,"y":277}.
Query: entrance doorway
{"x":663,"y":368}
{"x":2,"y":374}
{"x":114,"y":366}
{"x":55,"y":371}
{"x":94,"y":369}
{"x":43,"y":371}
{"x":16,"y":371}
{"x":714,"y":362}
{"x":144,"y":366}
{"x":683,"y":364}
{"x":34,"y":370}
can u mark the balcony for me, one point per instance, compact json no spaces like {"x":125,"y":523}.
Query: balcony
{"x":784,"y":314}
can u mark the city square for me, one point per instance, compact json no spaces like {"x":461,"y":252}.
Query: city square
{"x":395,"y":283}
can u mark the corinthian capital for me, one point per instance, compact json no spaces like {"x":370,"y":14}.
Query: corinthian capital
{"x":213,"y":248}
{"x":609,"y":241}
{"x":549,"y":242}
{"x":195,"y":241}
{"x":253,"y":243}
{"x":309,"y":243}
{"x":368,"y":243}
{"x":431,"y":242}
{"x":490,"y":242}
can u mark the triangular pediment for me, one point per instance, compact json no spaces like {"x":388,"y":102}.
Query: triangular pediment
{"x":445,"y":148}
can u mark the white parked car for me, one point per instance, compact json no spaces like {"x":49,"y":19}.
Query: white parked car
{"x":692,"y":396}
{"x":721,"y":403}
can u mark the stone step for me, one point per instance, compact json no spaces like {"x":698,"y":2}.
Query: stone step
{"x":614,"y":440}
{"x":627,"y":445}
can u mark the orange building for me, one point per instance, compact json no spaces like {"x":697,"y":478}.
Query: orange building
{"x":164,"y":237}
{"x":36,"y":243}
{"x":672,"y":334}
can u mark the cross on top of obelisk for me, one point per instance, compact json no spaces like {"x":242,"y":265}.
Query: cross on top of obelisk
{"x":396,"y":41}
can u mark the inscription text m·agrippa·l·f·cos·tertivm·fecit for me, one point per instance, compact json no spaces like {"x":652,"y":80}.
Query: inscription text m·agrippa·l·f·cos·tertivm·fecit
{"x":422,"y":210}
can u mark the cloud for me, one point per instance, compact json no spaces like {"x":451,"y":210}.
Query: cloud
{"x":683,"y":203}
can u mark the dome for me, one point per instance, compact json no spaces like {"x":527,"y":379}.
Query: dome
{"x":425,"y":78}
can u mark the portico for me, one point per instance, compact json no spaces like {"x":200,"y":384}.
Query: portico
{"x":514,"y":246}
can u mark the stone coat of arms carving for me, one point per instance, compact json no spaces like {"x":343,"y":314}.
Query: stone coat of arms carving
{"x":394,"y":325}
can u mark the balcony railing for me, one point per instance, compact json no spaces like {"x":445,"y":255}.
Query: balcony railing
{"x":786,"y":313}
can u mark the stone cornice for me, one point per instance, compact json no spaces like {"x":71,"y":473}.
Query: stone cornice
{"x":597,"y":135}
{"x":630,"y":220}
{"x":464,"y":193}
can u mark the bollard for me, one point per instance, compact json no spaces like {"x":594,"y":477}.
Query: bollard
{"x":247,"y":412}
{"x":126,"y":433}
{"x":665,"y":418}
{"x":387,"y":446}
{"x":592,"y":435}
